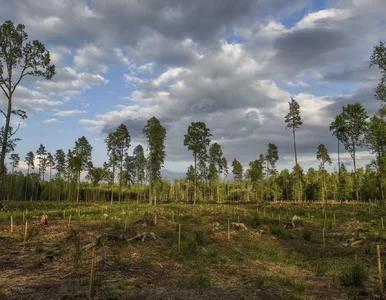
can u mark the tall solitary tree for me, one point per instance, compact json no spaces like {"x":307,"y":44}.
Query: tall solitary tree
{"x":155,"y":135}
{"x":294,"y":121}
{"x":81,"y":159}
{"x":139,"y":164}
{"x":120,"y":145}
{"x":42,"y":157}
{"x":197,"y":140}
{"x":353,"y":125}
{"x":237,"y":170}
{"x":217,"y":166}
{"x":337,"y":128}
{"x":323,"y":157}
{"x":271,"y":157}
{"x":18,"y":58}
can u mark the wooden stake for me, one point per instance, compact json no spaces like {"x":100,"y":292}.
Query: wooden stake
{"x":93,"y":261}
{"x":179,"y":238}
{"x":25,"y":232}
{"x":334,"y":219}
{"x":64,"y":215}
{"x":324,"y":238}
{"x":229,"y":231}
{"x":69,"y":221}
{"x":381,"y":295}
{"x":381,"y":222}
{"x":125,"y":225}
{"x":11,"y":224}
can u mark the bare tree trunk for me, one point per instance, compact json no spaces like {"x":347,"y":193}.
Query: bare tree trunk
{"x":112,"y":185}
{"x":195,"y":179}
{"x":78,"y":187}
{"x":26,"y":184}
{"x":355,"y":175}
{"x":5,"y":141}
{"x":296,"y":166}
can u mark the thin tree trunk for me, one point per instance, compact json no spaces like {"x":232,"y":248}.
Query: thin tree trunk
{"x":195,"y":179}
{"x":26,"y":184}
{"x":49,"y":188}
{"x":296,"y":166}
{"x":355,"y":174}
{"x":5,"y":141}
{"x":78,"y":187}
{"x":112,"y":185}
{"x":339,"y":174}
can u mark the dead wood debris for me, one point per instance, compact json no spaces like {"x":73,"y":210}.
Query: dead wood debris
{"x":143,"y":236}
{"x":355,"y":242}
{"x":43,"y":219}
{"x":238,"y":226}
{"x":264,"y":230}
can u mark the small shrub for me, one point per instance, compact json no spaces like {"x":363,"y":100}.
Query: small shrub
{"x":214,"y":255}
{"x":32,"y":231}
{"x":199,"y":238}
{"x":307,"y":234}
{"x":39,"y":249}
{"x":118,"y":226}
{"x":259,"y":281}
{"x":354,"y":274}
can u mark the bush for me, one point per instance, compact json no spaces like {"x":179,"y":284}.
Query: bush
{"x":307,"y":234}
{"x":353,"y":275}
{"x":199,"y":238}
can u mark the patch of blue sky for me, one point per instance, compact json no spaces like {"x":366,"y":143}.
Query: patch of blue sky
{"x":290,"y":20}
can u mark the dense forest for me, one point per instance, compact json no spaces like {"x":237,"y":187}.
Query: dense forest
{"x":137,"y":177}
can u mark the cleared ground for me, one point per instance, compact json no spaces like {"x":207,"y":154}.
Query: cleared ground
{"x":268,"y":259}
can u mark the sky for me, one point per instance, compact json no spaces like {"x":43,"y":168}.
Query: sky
{"x":232,"y":64}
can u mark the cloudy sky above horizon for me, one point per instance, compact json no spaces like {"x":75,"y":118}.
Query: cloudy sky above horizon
{"x":231,"y":64}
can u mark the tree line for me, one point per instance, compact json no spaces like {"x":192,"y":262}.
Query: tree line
{"x":138,"y":177}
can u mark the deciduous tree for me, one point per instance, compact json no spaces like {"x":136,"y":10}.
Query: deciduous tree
{"x":155,"y":135}
{"x":352,"y":126}
{"x":197,"y":140}
{"x":81,"y":157}
{"x":237,"y":170}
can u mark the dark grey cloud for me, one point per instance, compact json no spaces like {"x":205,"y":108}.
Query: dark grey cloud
{"x":194,"y":75}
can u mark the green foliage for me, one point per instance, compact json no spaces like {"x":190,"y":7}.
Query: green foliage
{"x":293,"y":118}
{"x":353,"y":274}
{"x":307,"y":234}
{"x":237,"y":170}
{"x":18,"y":58}
{"x":378,"y":58}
